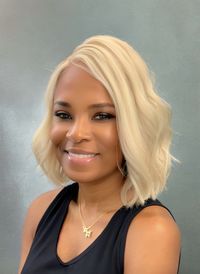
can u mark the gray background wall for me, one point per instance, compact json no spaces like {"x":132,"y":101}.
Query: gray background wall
{"x":35,"y":35}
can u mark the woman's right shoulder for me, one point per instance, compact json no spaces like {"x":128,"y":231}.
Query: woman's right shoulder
{"x":45,"y":198}
{"x":38,"y":207}
{"x":33,"y":216}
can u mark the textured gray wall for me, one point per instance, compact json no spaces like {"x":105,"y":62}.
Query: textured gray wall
{"x":35,"y":35}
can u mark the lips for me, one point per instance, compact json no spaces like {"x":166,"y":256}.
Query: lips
{"x":80,"y":152}
{"x":80,"y":157}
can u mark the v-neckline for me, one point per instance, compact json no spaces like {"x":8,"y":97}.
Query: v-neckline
{"x":92,"y":245}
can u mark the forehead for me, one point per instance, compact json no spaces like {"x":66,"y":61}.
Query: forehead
{"x":77,"y":84}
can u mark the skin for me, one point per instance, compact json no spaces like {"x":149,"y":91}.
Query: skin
{"x":153,"y":240}
{"x":83,"y":126}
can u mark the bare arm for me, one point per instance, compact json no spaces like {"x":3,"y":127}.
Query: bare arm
{"x":153,"y":243}
{"x":32,"y":219}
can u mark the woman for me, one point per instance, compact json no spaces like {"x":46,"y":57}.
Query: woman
{"x":108,"y":131}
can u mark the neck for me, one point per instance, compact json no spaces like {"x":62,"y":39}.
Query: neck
{"x":101,"y":196}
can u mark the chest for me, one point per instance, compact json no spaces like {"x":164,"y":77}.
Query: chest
{"x":60,"y":246}
{"x":73,"y":240}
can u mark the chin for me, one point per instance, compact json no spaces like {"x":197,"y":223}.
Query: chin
{"x":81,"y":177}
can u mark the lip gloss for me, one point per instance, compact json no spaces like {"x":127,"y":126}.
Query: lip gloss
{"x":80,"y":159}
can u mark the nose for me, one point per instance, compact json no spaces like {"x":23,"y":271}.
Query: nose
{"x":78,"y":131}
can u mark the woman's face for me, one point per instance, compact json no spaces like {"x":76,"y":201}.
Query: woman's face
{"x":84,"y":128}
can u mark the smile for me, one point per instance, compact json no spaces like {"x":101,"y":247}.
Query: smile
{"x":80,"y":155}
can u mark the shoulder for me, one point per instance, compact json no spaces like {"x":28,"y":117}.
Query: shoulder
{"x":33,"y":216}
{"x":45,"y":198}
{"x":153,"y":242}
{"x":38,"y":207}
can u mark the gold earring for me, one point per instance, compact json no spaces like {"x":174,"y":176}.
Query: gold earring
{"x":123,"y":169}
{"x":61,"y":170}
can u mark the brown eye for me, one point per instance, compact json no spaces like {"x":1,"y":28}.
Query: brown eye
{"x":63,"y":115}
{"x":103,"y":116}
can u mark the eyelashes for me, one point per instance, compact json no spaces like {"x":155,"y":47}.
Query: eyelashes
{"x":100,"y":116}
{"x":103,"y":116}
{"x":62,"y":115}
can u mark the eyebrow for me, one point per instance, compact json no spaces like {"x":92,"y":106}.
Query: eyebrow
{"x":98,"y":105}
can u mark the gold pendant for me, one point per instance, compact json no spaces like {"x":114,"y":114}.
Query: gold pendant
{"x":87,"y":232}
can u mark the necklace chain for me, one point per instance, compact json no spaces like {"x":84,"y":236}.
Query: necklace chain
{"x":87,"y":229}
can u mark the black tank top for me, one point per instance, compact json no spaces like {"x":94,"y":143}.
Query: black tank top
{"x":104,"y":256}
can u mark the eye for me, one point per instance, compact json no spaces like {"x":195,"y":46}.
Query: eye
{"x":103,"y":116}
{"x":63,"y":115}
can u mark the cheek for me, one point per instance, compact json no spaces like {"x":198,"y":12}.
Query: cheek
{"x":56,"y":134}
{"x":110,"y":142}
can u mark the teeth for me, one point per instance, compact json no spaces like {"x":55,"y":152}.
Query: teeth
{"x":81,"y":155}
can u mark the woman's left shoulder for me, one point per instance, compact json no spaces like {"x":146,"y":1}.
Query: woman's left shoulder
{"x":154,"y":219}
{"x":153,"y":242}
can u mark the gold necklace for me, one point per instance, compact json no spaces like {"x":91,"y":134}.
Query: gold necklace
{"x":87,"y":229}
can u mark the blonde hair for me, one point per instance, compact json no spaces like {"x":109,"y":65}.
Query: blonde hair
{"x":143,"y":118}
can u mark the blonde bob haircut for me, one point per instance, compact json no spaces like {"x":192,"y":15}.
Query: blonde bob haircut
{"x":142,"y":117}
